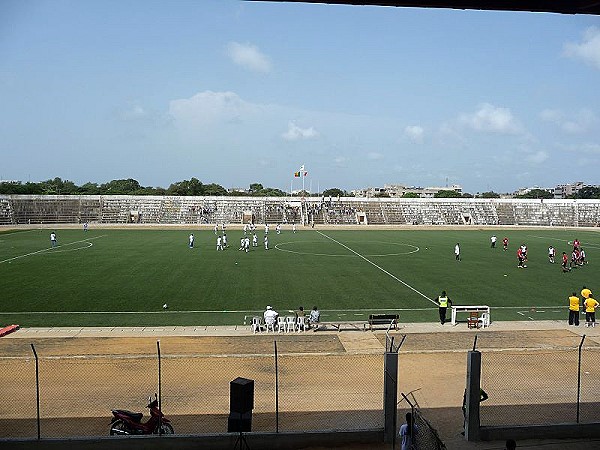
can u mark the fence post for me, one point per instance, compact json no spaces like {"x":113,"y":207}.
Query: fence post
{"x":472,"y":396}
{"x":276,"y":390}
{"x":390,"y":397}
{"x":159,"y":388}
{"x":579,"y":376}
{"x":37,"y":390}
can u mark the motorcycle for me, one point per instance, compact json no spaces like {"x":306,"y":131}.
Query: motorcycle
{"x":126,"y":422}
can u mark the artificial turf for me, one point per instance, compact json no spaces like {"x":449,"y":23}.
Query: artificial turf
{"x":107,"y":277}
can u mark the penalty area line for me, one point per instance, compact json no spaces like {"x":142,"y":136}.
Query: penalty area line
{"x":378,"y":267}
{"x":50,"y":248}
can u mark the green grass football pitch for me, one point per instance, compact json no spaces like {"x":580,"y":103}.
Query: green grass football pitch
{"x":107,"y":277}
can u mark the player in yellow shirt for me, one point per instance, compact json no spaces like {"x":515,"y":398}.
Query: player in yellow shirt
{"x":574,"y":309}
{"x":585,"y":293}
{"x":590,"y":311}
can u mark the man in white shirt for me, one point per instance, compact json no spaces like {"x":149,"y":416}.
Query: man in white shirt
{"x":493,"y":239}
{"x":53,"y":241}
{"x":192,"y":240}
{"x":219,"y":243}
{"x":270,"y":315}
{"x":246,"y":244}
{"x":457,"y":251}
{"x":266,"y":242}
{"x":294,"y":227}
{"x":254,"y":240}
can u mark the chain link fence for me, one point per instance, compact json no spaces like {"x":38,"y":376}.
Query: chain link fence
{"x":541,"y":386}
{"x":292,"y":392}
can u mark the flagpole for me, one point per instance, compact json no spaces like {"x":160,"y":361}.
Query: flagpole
{"x":302,"y":175}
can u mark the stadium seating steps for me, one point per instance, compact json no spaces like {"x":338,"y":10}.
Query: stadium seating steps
{"x":50,"y":209}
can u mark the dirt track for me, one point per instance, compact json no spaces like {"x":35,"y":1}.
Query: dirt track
{"x":322,"y":385}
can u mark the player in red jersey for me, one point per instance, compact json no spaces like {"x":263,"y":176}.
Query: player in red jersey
{"x":565,"y":263}
{"x":505,"y":243}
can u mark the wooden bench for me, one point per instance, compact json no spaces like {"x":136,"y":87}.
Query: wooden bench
{"x":383,"y":319}
{"x":347,"y":324}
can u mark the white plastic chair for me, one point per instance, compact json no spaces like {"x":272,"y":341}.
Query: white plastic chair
{"x":270,"y":325}
{"x":281,"y":325}
{"x":301,"y":323}
{"x":257,"y":324}
{"x":484,"y":320}
{"x":290,"y":322}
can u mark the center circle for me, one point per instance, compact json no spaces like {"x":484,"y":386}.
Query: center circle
{"x":411,"y":249}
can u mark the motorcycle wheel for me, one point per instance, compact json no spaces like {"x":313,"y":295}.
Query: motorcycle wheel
{"x":166,"y":428}
{"x":118,"y":428}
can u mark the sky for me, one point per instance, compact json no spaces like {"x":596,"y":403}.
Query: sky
{"x":234,"y":92}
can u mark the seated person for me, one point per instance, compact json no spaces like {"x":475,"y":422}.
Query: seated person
{"x":314,"y":317}
{"x":270,"y":315}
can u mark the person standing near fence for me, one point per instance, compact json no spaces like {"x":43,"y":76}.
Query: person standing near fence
{"x":443,"y":300}
{"x":590,"y":311}
{"x":574,"y":309}
{"x":407,"y":433}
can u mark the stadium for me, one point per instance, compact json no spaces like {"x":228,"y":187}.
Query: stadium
{"x":110,"y":292}
{"x":196,"y":316}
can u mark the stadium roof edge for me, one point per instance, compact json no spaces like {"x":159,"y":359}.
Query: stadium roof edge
{"x":549,"y":6}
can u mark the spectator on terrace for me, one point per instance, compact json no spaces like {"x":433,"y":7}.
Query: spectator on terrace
{"x":314,"y":318}
{"x":270,"y":315}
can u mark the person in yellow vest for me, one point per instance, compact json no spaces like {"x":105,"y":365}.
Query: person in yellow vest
{"x":590,"y":311}
{"x":574,"y":309}
{"x":585,"y":293}
{"x":444,"y":301}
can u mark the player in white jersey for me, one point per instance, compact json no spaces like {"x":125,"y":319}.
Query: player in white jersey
{"x":246,"y":244}
{"x":191,"y":239}
{"x":294,"y":227}
{"x":266,"y":242}
{"x":53,"y":240}
{"x":219,"y":243}
{"x":266,"y":228}
{"x":254,"y":240}
{"x":216,"y":229}
{"x":242,"y":240}
{"x":278,"y":229}
{"x":551,"y":254}
{"x":245,"y":228}
{"x":224,"y":240}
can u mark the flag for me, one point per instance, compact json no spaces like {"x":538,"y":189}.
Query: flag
{"x":302,"y":168}
{"x":297,"y":174}
{"x":305,"y":173}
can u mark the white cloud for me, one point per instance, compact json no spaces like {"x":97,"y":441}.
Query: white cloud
{"x":249,"y":56}
{"x":588,"y":148}
{"x":581,"y":122}
{"x":588,"y":50}
{"x":295,"y":133}
{"x":339,"y":161}
{"x":374,"y":156}
{"x":415,"y":133}
{"x":208,"y":107}
{"x":491,"y":119}
{"x":537,"y":157}
{"x":133,"y":113}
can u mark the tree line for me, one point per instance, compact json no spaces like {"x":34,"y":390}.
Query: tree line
{"x":194,"y":187}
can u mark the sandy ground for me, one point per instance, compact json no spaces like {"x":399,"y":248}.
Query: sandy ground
{"x":326,"y":380}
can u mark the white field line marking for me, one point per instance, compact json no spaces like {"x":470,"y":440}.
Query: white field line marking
{"x":379,"y":267}
{"x":89,"y":244}
{"x":183,"y":311}
{"x":50,"y":248}
{"x":17,"y":232}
